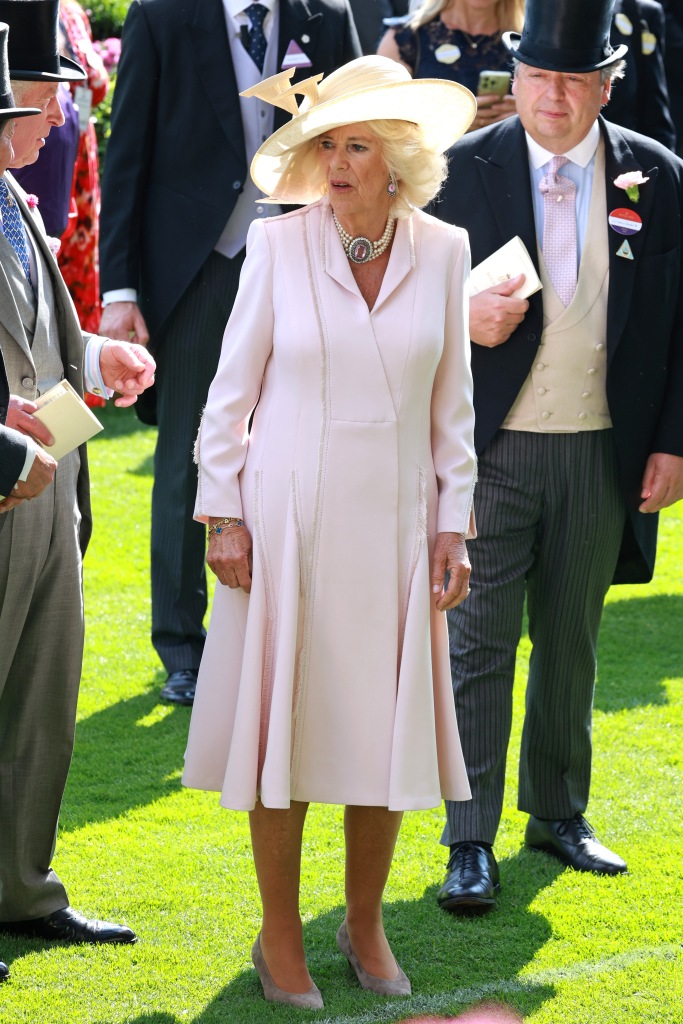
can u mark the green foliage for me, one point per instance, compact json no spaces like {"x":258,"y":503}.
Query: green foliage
{"x":136,"y":847}
{"x":106,"y":16}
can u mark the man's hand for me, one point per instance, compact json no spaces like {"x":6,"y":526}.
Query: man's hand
{"x":494,"y":313}
{"x":126,"y":368}
{"x":123,"y":321}
{"x":491,"y":109}
{"x":41,"y":474}
{"x":450,"y":553}
{"x":20,"y":417}
{"x":662,"y":482}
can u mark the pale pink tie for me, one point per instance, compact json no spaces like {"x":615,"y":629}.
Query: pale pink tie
{"x":559,"y":230}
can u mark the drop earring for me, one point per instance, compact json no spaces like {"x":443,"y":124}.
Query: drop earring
{"x":392,"y":187}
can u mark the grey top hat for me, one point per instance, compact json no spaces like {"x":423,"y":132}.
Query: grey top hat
{"x":7,"y":109}
{"x":34,"y":43}
{"x":564,"y":35}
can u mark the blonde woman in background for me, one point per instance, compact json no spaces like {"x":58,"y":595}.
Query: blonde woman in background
{"x":458,"y":39}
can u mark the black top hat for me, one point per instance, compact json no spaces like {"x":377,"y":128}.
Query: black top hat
{"x":7,"y":108}
{"x":33,"y":48}
{"x":564,"y":35}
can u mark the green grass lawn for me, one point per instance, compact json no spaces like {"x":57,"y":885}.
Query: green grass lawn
{"x":134,"y":847}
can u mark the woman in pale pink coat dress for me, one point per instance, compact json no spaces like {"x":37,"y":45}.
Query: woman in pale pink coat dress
{"x":325,"y":675}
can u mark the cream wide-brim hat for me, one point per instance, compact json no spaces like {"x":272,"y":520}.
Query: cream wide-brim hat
{"x":366,"y":89}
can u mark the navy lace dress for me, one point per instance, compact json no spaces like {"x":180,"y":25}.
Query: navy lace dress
{"x":426,"y":50}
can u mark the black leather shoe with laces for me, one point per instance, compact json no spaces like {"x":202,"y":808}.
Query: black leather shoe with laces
{"x":574,"y":842}
{"x":472,"y":880}
{"x":69,"y":926}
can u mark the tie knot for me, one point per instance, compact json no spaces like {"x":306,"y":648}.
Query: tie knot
{"x":256,"y":14}
{"x":554,"y":183}
{"x":557,"y":163}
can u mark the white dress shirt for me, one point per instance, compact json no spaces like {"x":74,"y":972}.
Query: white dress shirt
{"x":579,"y":170}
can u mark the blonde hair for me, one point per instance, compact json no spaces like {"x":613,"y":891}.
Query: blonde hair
{"x":510,"y":14}
{"x":418,"y":166}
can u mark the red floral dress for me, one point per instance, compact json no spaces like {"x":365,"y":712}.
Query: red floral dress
{"x":79,"y":257}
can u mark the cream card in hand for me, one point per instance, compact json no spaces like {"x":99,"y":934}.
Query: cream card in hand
{"x":504,"y":264}
{"x":67,"y":417}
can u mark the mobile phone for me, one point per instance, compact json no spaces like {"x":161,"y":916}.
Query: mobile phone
{"x":493,"y":83}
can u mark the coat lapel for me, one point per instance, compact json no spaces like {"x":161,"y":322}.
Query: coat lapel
{"x":504,"y":174}
{"x":619,"y":158}
{"x":209,"y":34}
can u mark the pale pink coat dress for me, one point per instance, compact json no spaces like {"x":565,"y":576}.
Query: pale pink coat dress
{"x":330,"y":682}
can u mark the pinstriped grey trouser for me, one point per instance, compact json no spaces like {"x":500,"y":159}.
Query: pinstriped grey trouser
{"x":550,"y":516}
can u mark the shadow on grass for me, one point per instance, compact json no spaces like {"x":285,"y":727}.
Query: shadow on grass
{"x":121,"y":764}
{"x":453,"y":962}
{"x":640,"y":646}
{"x":118,"y":423}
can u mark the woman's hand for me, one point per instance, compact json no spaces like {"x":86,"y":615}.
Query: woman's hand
{"x":491,"y":109}
{"x":229,"y":556}
{"x":450,"y":554}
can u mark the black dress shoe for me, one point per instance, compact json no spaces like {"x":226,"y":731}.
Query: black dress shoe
{"x":69,"y":926}
{"x":573,"y":842}
{"x":180,"y":687}
{"x":472,"y":881}
{"x":4,"y":971}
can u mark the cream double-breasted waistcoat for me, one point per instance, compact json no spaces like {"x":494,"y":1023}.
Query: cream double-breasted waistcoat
{"x":330,"y":682}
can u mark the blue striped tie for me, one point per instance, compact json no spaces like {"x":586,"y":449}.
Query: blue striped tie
{"x":13,"y":226}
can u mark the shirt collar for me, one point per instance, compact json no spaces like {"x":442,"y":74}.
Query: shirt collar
{"x":581,"y":154}
{"x":235,"y":7}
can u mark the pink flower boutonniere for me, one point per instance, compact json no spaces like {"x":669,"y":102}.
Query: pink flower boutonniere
{"x":54,"y":245}
{"x":630,"y":182}
{"x":32,"y":201}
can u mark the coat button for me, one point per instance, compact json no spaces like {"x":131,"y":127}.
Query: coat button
{"x":585,"y":394}
{"x":531,"y":337}
{"x":28,"y":382}
{"x":237,"y":185}
{"x":600,"y":347}
{"x":540,"y":366}
{"x":582,"y":415}
{"x":541,"y":391}
{"x":545,"y":415}
{"x":592,"y":370}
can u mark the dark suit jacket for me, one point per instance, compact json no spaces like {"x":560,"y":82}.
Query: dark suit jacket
{"x":176,"y":161}
{"x":640,"y":100}
{"x":489,"y":193}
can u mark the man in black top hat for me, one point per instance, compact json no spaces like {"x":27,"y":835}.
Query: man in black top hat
{"x":42,"y":540}
{"x":578,"y":392}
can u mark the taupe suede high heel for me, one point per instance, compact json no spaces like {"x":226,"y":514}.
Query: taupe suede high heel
{"x":311,"y":1000}
{"x":399,"y":986}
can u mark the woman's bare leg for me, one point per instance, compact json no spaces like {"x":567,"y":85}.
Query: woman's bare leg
{"x":371,"y":834}
{"x":276,"y":843}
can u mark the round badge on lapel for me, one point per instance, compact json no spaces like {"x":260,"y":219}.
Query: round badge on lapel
{"x":625,"y":222}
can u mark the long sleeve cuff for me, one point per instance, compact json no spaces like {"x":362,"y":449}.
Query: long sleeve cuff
{"x":93,"y":380}
{"x":31,"y":450}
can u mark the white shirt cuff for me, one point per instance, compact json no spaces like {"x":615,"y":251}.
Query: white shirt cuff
{"x":93,"y":380}
{"x":31,"y":450}
{"x":120,"y":295}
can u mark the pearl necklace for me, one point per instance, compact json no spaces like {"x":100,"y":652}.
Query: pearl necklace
{"x":360,"y":249}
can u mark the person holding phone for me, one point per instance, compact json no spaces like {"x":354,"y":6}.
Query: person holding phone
{"x":460,"y":40}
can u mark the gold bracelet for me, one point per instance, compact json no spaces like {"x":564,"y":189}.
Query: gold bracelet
{"x":223,"y":523}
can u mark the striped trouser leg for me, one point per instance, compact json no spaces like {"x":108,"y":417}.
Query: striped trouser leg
{"x":534,"y":495}
{"x":187,"y":356}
